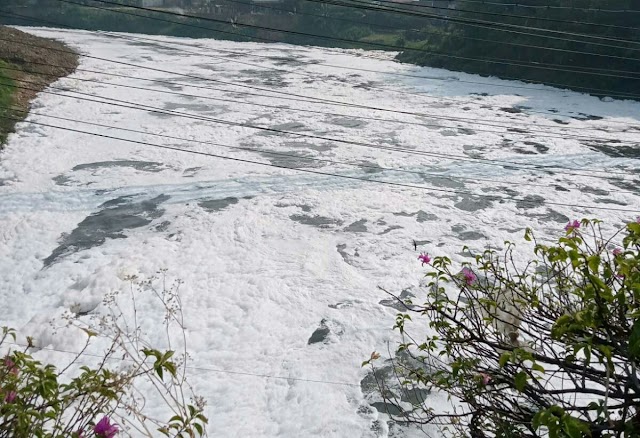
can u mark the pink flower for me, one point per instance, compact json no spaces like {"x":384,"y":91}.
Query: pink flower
{"x":572,"y":226}
{"x":424,"y":258}
{"x":11,"y":396}
{"x":11,"y":366}
{"x":485,"y":379}
{"x":638,"y":220}
{"x":617,"y":252}
{"x":104,"y":428}
{"x":469,"y":276}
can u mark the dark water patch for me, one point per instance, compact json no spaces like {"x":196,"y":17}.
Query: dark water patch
{"x":357,"y":227}
{"x":213,"y":205}
{"x":474,"y":204}
{"x":191,"y":172}
{"x":609,"y":201}
{"x":462,"y":234}
{"x":509,"y":191}
{"x":162,"y":226}
{"x":471,"y":235}
{"x":323,"y":147}
{"x":511,"y":110}
{"x":586,"y":117}
{"x":271,"y":78}
{"x":540,"y":148}
{"x":326,"y":329}
{"x":632,"y":186}
{"x":367,"y":85}
{"x":290,"y":126}
{"x":560,"y":121}
{"x":530,"y":201}
{"x":294,"y":160}
{"x":594,"y":191}
{"x":518,"y":130}
{"x":195,"y":107}
{"x":347,"y":122}
{"x":315,"y":221}
{"x":385,"y":407}
{"x":523,"y":151}
{"x":466,"y":131}
{"x":561,"y":189}
{"x":288,"y":61}
{"x":421,"y":216}
{"x":391,"y":228}
{"x":145,"y":166}
{"x":551,"y":216}
{"x":400,"y":303}
{"x":61,"y":180}
{"x":449,"y":133}
{"x":109,"y":222}
{"x":443,"y":181}
{"x":616,"y":151}
{"x":170,"y":85}
{"x":370,"y":167}
{"x":341,"y":247}
{"x":320,"y":334}
{"x":415,"y":396}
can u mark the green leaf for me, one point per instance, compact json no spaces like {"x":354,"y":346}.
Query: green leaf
{"x":594,"y":263}
{"x":538,"y":367}
{"x":575,"y":428}
{"x":504,"y":359}
{"x":520,"y":380}
{"x":634,"y":340}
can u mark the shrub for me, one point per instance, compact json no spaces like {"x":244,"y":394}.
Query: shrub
{"x":41,"y":400}
{"x":546,"y":349}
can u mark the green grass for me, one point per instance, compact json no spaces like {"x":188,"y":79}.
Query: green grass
{"x":389,"y":39}
{"x":6,"y":97}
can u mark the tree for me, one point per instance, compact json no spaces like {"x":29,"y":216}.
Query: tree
{"x":546,"y":349}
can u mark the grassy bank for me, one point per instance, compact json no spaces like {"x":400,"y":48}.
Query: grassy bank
{"x":22,"y":76}
{"x":6,"y":97}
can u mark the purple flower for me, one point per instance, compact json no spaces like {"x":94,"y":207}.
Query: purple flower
{"x":617,"y":252}
{"x":104,"y":428}
{"x":469,"y":276}
{"x":638,"y":220}
{"x":10,"y":397}
{"x":572,"y":226}
{"x":424,"y":258}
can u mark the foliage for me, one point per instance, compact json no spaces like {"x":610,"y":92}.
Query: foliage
{"x":600,"y":63}
{"x":80,"y":400}
{"x":548,"y":349}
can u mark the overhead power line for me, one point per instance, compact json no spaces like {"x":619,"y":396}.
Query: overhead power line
{"x":469,"y":122}
{"x":502,"y":27}
{"x":464,"y":37}
{"x":295,"y":156}
{"x":197,"y":368}
{"x":500,"y":163}
{"x":535,"y":65}
{"x":317,"y":172}
{"x":549,"y":7}
{"x":497,"y":14}
{"x":306,"y":158}
{"x":500,"y":85}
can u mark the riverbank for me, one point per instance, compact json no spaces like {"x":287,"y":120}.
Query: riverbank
{"x":28,"y":64}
